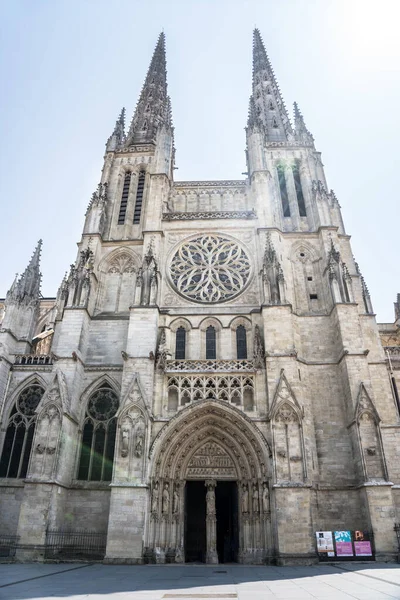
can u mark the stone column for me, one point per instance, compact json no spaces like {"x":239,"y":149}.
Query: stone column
{"x":211,"y":523}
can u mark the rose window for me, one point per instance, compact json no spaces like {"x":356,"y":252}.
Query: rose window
{"x":210,"y":268}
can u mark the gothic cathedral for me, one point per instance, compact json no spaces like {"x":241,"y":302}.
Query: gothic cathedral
{"x":210,"y":383}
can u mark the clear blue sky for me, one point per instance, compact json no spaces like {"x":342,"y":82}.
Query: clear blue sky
{"x":68,"y":66}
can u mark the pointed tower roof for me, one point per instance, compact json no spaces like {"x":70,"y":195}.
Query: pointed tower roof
{"x":301,"y":132}
{"x":117,"y":138}
{"x":154,"y":107}
{"x":267,"y":98}
{"x":27,"y":288}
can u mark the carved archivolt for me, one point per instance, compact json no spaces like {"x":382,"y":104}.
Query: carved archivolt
{"x":210,"y":440}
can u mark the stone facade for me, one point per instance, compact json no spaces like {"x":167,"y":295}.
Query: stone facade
{"x":213,"y":351}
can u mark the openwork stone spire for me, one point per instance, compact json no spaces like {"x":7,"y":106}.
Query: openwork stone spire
{"x":301,"y":132}
{"x":266,"y":99}
{"x":117,"y":138}
{"x":27,"y":288}
{"x":153,"y":110}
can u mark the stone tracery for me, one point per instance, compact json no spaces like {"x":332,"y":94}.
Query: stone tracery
{"x":210,"y":268}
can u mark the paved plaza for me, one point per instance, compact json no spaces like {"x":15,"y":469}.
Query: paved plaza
{"x":100,"y":582}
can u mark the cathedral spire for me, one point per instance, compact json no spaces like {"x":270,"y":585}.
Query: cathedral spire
{"x":153,"y":110}
{"x":117,"y":138}
{"x":301,"y":132}
{"x":267,"y":98}
{"x":27,"y":288}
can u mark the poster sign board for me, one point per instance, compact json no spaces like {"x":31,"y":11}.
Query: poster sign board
{"x":344,"y":547}
{"x":325,"y":543}
{"x":362,"y":543}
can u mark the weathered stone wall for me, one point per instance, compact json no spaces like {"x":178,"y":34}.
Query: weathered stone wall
{"x":10,"y":503}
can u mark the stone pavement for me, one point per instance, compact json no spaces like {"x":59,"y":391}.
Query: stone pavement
{"x":376,"y":581}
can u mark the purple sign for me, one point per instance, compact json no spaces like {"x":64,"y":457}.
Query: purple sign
{"x":344,"y":549}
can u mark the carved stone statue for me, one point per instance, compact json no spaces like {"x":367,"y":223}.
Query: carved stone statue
{"x":139,"y":438}
{"x":165,"y":499}
{"x":147,"y":278}
{"x":210,"y":500}
{"x":175,"y":506}
{"x":258,"y":349}
{"x":245,"y":499}
{"x":124,"y":440}
{"x":265,"y":497}
{"x":154,"y":500}
{"x":255,"y":499}
{"x":139,"y":447}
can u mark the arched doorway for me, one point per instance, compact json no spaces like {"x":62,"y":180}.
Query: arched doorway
{"x":210,"y":479}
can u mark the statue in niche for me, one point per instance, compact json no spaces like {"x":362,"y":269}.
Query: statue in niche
{"x":147,"y":278}
{"x":154,"y":501}
{"x":165,"y":499}
{"x":265,"y":497}
{"x":139,"y":438}
{"x":124,"y":440}
{"x":255,"y":499}
{"x":175,"y":507}
{"x":245,"y":499}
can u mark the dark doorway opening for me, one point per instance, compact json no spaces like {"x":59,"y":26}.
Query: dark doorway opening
{"x":226,"y":503}
{"x":195,"y":521}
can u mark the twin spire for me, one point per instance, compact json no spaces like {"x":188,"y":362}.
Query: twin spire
{"x":153,"y":110}
{"x":267,"y":110}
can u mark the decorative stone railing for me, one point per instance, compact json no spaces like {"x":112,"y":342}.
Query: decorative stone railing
{"x":33,"y":359}
{"x":202,"y":198}
{"x":210,"y":366}
{"x":194,"y":216}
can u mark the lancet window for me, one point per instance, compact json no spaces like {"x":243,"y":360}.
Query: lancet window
{"x":241,"y":342}
{"x":124,"y":199}
{"x":19,"y":435}
{"x":211,"y":343}
{"x":139,"y":198}
{"x":98,"y":436}
{"x":299,"y":190}
{"x":180,"y":343}
{"x":283,"y":190}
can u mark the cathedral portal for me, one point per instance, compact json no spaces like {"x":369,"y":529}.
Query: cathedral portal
{"x":210,"y":489}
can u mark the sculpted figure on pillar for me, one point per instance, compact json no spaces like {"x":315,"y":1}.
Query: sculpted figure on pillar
{"x":245,"y":498}
{"x":154,"y":500}
{"x":255,"y":499}
{"x":165,"y":499}
{"x":258,"y":349}
{"x":265,"y":497}
{"x":175,"y":504}
{"x":148,"y":278}
{"x":210,"y":500}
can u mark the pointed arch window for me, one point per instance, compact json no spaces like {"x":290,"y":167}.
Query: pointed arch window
{"x":211,"y":343}
{"x":283,"y":190}
{"x":180,"y":343}
{"x":139,"y":198}
{"x":299,"y":190}
{"x":98,"y":436}
{"x":19,"y":435}
{"x":241,"y":342}
{"x":124,"y":198}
